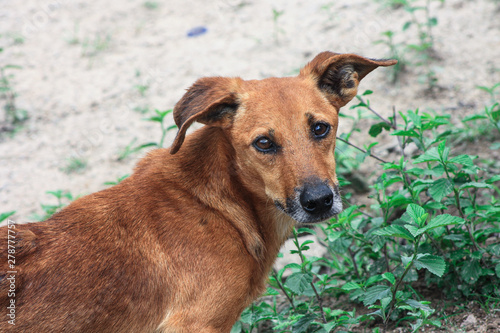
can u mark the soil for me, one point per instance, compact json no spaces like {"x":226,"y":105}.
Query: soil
{"x":92,"y":71}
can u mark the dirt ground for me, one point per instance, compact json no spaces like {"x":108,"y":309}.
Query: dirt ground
{"x":91,"y":71}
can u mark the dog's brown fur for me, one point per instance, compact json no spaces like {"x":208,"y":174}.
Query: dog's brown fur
{"x":187,"y":241}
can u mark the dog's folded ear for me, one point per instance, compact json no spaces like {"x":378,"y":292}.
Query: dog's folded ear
{"x":210,"y":100}
{"x":338,"y":75}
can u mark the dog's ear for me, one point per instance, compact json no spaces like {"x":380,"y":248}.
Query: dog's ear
{"x":210,"y":100}
{"x":338,"y":75}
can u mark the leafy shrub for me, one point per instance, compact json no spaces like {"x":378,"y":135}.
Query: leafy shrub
{"x":433,"y":226}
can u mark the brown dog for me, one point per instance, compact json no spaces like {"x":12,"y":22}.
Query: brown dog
{"x":187,"y":241}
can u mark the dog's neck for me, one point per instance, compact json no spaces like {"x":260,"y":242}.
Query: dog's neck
{"x":206,"y":163}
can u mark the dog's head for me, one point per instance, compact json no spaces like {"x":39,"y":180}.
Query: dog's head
{"x":283,"y":130}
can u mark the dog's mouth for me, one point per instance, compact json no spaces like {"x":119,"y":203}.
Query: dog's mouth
{"x":313,"y":203}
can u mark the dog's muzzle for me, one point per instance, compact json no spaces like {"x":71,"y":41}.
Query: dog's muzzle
{"x":315,"y":201}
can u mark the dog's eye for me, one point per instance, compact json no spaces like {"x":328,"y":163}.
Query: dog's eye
{"x":265,"y":145}
{"x":320,"y":130}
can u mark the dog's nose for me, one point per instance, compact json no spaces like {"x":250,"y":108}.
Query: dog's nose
{"x":316,"y":199}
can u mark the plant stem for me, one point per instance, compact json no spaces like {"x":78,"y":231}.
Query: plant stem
{"x":320,"y":300}
{"x":163,"y":133}
{"x":283,"y":290}
{"x":320,"y":303}
{"x":396,"y":287}
{"x":393,"y":126}
{"x":365,"y":214}
{"x":354,"y":262}
{"x":387,"y":267}
{"x":362,"y":150}
{"x":455,"y":192}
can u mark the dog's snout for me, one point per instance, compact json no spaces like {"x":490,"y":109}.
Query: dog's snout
{"x":316,"y":199}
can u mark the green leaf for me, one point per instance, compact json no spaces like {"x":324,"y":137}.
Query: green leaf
{"x":414,"y":230}
{"x":373,"y":279}
{"x":350,"y":286}
{"x":394,"y":231}
{"x":307,"y":242}
{"x":442,"y":220}
{"x":495,"y":146}
{"x":306,"y":230}
{"x":375,"y":293}
{"x":462,"y":160}
{"x":455,"y":237}
{"x":476,"y":185}
{"x":293,"y":265}
{"x":416,"y":213}
{"x":271,"y":292}
{"x":419,"y":305}
{"x":303,"y":323}
{"x":334,"y":313}
{"x":438,"y":221}
{"x":434,"y":264}
{"x":474,"y":117}
{"x":298,"y":282}
{"x":4,"y":216}
{"x":443,"y":150}
{"x":154,"y":118}
{"x":430,"y":155}
{"x":410,"y":133}
{"x":367,"y":92}
{"x":329,"y":326}
{"x":476,"y":255}
{"x":236,"y":327}
{"x":376,"y":129}
{"x":389,"y":277}
{"x":493,"y":179}
{"x":334,"y":235}
{"x":471,"y":271}
{"x":149,"y":144}
{"x":406,"y":260}
{"x":415,"y":118}
{"x":407,"y":25}
{"x":398,"y":200}
{"x":497,"y":270}
{"x":440,"y":189}
{"x":12,"y":67}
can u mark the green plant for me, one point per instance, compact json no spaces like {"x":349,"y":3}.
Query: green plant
{"x":159,"y":118}
{"x":151,"y":5}
{"x":420,"y":53}
{"x":434,"y":221}
{"x":63,"y":198}
{"x":142,"y":88}
{"x":142,"y":109}
{"x":74,"y":165}
{"x":73,"y":39}
{"x":396,"y":51}
{"x":132,"y":148}
{"x":492,"y":91}
{"x":117,"y":181}
{"x":93,"y":46}
{"x":487,"y":123}
{"x":277,"y":29}
{"x":13,"y":114}
{"x":4,"y":216}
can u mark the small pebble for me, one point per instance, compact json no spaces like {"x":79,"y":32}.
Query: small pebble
{"x":469,"y":321}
